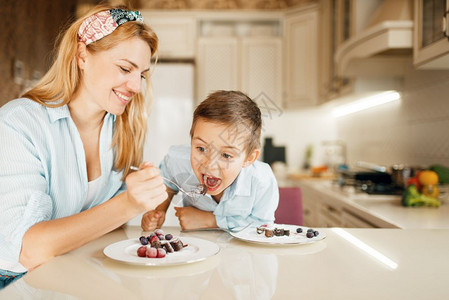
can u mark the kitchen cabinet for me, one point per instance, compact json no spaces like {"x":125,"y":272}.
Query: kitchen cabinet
{"x":329,"y":216}
{"x":351,"y":220}
{"x":301,"y":57}
{"x":431,"y":45}
{"x":176,"y":33}
{"x":327,"y":204}
{"x":336,"y":27}
{"x":217,"y":65}
{"x":261,"y":68}
{"x":319,"y":213}
{"x":250,"y":64}
{"x":310,"y":210}
{"x":324,"y":208}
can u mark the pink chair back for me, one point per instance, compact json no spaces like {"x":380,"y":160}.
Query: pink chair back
{"x":289,"y":210}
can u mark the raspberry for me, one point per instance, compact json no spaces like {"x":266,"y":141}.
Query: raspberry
{"x":154,"y":238}
{"x":159,"y":232}
{"x":161,"y":253}
{"x":152,"y":252}
{"x":142,"y":251}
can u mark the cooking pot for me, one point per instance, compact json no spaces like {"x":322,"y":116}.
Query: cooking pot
{"x":399,"y":173}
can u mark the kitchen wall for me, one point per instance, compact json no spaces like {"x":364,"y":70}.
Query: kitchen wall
{"x":297,"y":129}
{"x":413,"y":131}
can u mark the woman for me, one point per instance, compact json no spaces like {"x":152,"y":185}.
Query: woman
{"x":68,"y":143}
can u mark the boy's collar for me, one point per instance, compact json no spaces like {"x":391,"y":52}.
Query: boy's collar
{"x":242,"y":184}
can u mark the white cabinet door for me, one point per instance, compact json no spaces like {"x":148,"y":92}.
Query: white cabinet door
{"x":301,"y":59}
{"x":261,"y":68}
{"x":177,"y":34}
{"x":218,"y":65}
{"x":251,"y":65}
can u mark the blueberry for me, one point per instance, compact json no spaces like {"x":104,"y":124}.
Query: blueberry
{"x":316,"y":233}
{"x":299,"y":230}
{"x":168,"y":236}
{"x":143,"y":240}
{"x":310,"y":230}
{"x":310,"y":235}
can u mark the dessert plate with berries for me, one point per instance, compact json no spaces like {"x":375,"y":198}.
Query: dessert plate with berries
{"x":279,"y":234}
{"x":161,"y":250}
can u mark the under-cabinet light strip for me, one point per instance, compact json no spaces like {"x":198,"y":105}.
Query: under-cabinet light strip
{"x":365,"y":103}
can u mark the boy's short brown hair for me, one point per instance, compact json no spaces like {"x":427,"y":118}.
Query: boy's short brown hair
{"x":235,"y":109}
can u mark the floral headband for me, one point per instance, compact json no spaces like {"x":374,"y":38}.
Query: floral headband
{"x":104,"y":23}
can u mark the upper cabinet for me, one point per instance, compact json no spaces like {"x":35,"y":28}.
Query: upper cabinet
{"x":261,"y":68}
{"x":301,"y":57}
{"x":217,"y":65}
{"x":367,"y":46}
{"x":431,"y":44}
{"x":176,"y":33}
{"x":336,"y":27}
{"x":269,"y":54}
{"x":240,"y":54}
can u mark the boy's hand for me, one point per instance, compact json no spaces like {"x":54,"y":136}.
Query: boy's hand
{"x":193,"y":218}
{"x":152,"y":220}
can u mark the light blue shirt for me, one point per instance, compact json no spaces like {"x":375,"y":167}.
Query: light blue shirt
{"x":43,"y":173}
{"x":252,"y":197}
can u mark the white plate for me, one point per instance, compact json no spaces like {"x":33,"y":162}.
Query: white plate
{"x":250,"y":235}
{"x":197,"y":250}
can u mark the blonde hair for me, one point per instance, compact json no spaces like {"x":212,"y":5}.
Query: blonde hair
{"x":60,"y":83}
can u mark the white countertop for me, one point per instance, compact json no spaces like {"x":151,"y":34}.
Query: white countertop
{"x":385,"y":211}
{"x":347,"y":264}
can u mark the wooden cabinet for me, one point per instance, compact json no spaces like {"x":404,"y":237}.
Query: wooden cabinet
{"x":176,"y":33}
{"x":329,"y":216}
{"x":321,"y":210}
{"x":301,"y":58}
{"x":251,"y":64}
{"x":351,"y":220}
{"x":431,"y":45}
{"x":336,"y":27}
{"x":310,"y":210}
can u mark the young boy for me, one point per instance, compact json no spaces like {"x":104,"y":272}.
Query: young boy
{"x":225,"y":145}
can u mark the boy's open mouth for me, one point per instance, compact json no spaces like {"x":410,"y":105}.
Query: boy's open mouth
{"x":211,"y":182}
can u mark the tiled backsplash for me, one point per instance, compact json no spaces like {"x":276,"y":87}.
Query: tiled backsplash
{"x":412,"y":132}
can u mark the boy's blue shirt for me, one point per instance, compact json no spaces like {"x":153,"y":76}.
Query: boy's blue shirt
{"x":252,"y":197}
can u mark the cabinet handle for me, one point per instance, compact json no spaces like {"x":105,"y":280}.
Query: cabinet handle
{"x":444,"y":27}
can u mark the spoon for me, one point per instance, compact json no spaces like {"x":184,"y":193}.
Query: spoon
{"x":234,"y":230}
{"x":200,"y":189}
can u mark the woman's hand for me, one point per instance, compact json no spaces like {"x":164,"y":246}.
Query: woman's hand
{"x":146,"y":189}
{"x":152,"y":220}
{"x":194,"y":218}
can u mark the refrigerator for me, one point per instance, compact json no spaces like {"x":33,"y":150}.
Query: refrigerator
{"x":170,"y":117}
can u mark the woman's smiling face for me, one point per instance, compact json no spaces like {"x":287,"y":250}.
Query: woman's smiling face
{"x":218,"y":154}
{"x":112,"y":77}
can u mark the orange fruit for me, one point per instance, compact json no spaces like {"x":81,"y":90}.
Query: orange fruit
{"x":428,"y":177}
